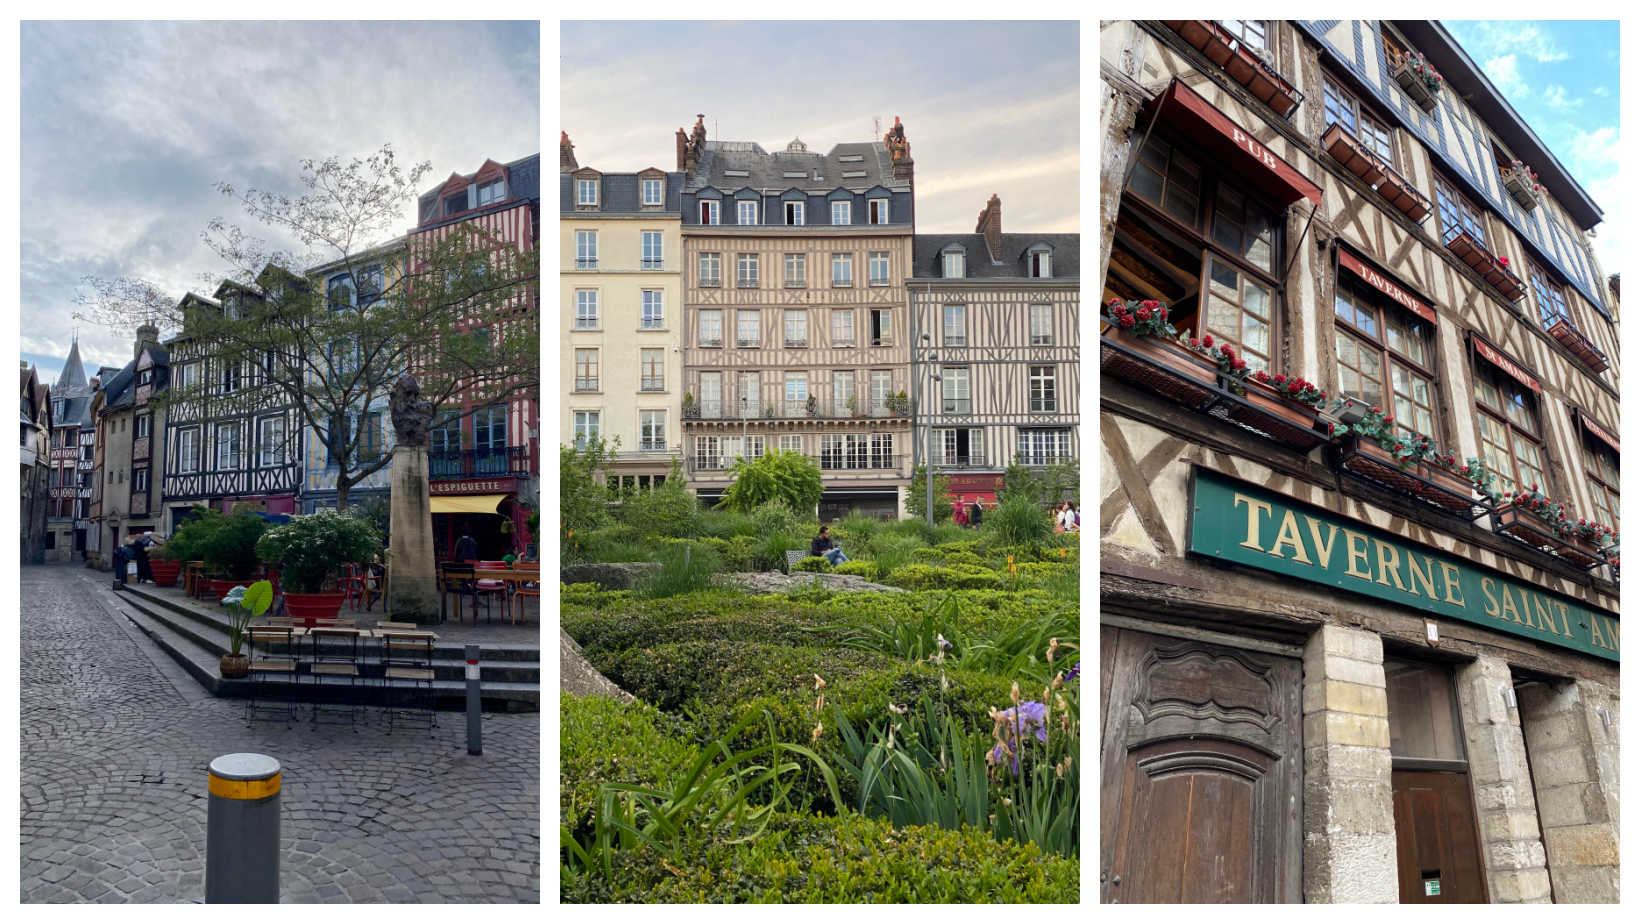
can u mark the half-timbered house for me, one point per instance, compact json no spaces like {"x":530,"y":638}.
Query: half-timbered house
{"x":795,"y":316}
{"x":484,"y":456}
{"x":231,"y":439}
{"x":997,"y":374}
{"x":1331,"y":673}
{"x":133,"y":422}
{"x":34,"y":473}
{"x":72,"y":451}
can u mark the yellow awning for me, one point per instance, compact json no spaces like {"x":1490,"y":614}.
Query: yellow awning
{"x":467,"y":503}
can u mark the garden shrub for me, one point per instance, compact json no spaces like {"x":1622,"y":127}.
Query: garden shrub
{"x":685,"y":567}
{"x":865,"y":569}
{"x":602,"y":740}
{"x":949,"y":557}
{"x":666,"y":511}
{"x":929,"y":577}
{"x":893,"y":551}
{"x":848,"y":858}
{"x":725,"y":524}
{"x":1019,"y":520}
{"x":591,"y":595}
{"x":773,"y":548}
{"x":815,"y":563}
{"x":720,"y":614}
{"x":611,"y":543}
{"x":775,"y":517}
{"x":779,"y":476}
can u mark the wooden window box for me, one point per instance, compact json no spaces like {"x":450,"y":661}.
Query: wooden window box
{"x":1526,"y":527}
{"x":1349,"y":151}
{"x":1521,"y":187}
{"x":1481,"y":260}
{"x":1157,"y":365}
{"x":1434,"y":485}
{"x":1242,"y":64}
{"x":1422,"y":96}
{"x":1404,"y":196}
{"x":1572,"y":339}
{"x":1284,"y":421}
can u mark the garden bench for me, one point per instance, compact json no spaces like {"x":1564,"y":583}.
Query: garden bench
{"x":793,"y":556}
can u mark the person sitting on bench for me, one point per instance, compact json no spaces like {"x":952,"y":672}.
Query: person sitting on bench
{"x":823,"y":547}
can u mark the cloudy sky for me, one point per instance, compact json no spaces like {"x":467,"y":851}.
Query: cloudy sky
{"x":1562,"y":77}
{"x":988,"y":107}
{"x":125,"y":127}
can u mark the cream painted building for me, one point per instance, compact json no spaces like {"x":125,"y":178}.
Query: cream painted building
{"x":620,"y":328}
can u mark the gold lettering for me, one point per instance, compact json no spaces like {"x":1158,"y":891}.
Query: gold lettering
{"x":1389,"y":562}
{"x":1616,"y":632}
{"x":1565,"y":624}
{"x":1541,"y":611}
{"x":1509,"y":609}
{"x":1425,"y":577}
{"x":1288,"y":535}
{"x":1449,"y":576}
{"x":1490,"y":588}
{"x":1253,"y":508}
{"x":1351,"y":537}
{"x":1323,"y":547}
{"x":1594,"y":632}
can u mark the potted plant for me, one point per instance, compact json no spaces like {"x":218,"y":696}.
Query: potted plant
{"x":311,"y":552}
{"x":853,"y":406}
{"x":1418,"y":78}
{"x":227,"y":545}
{"x":165,"y":564}
{"x":690,"y":410}
{"x":1140,"y":346}
{"x":811,"y":405}
{"x":1284,"y":407}
{"x":244,"y":604}
{"x":898,"y":404}
{"x":1372,"y":447}
{"x":1522,"y":183}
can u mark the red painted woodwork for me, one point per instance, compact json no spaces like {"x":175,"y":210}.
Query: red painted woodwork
{"x":1187,"y":111}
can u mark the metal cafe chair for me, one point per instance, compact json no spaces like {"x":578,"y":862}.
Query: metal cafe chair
{"x":407,"y":657}
{"x":335,"y":654}
{"x":276,"y":663}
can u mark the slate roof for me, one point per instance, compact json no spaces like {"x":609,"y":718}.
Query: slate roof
{"x":119,"y":391}
{"x":766,"y":170}
{"x":523,"y":183}
{"x":926,"y":249}
{"x":71,"y":381}
{"x":619,"y":193}
{"x":76,"y":412}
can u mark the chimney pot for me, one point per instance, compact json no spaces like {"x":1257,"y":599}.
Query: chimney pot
{"x":990,"y":225}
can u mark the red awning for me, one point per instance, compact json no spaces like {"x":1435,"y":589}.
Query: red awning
{"x":1185,"y":110}
{"x":1496,"y":357}
{"x":1383,"y":282}
{"x":1599,"y":432}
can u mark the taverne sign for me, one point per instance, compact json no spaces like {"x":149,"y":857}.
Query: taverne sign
{"x":1236,"y":521}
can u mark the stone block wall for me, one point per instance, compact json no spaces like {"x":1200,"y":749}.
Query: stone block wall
{"x":1573,"y":753}
{"x":1511,"y":848}
{"x":1349,"y":806}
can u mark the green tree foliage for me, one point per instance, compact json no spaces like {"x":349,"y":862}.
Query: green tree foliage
{"x":1046,"y":486}
{"x":786,"y":477}
{"x":1019,"y":520}
{"x":332,"y":348}
{"x":311,"y":550}
{"x":916,"y":496}
{"x":227,"y":544}
{"x":583,"y":494}
{"x":669,"y":510}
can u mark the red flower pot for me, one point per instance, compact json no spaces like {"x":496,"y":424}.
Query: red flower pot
{"x":307,"y":608}
{"x":165,"y":571}
{"x":219,"y":589}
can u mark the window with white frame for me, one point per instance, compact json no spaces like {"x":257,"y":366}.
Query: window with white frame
{"x":145,"y":424}
{"x":586,"y":250}
{"x":751,"y":390}
{"x":228,"y":437}
{"x":711,"y":328}
{"x":652,"y":366}
{"x":790,"y":442}
{"x":746,"y":270}
{"x":586,"y":309}
{"x":749,"y":447}
{"x":882,"y":330}
{"x":586,"y":428}
{"x":877,"y":262}
{"x":1038,"y":446}
{"x":961,"y":447}
{"x":840,"y":211}
{"x":708,"y":211}
{"x":748,"y":329}
{"x":586,"y":192}
{"x":746,"y":212}
{"x":842,"y":391}
{"x":955,"y":394}
{"x":232,"y":376}
{"x":651,"y":431}
{"x":653,"y":259}
{"x":794,"y":213}
{"x":1250,"y":32}
{"x":184,"y":375}
{"x":796,"y":327}
{"x":1041,"y":325}
{"x":797,"y":389}
{"x":953,"y":264}
{"x":882,"y":386}
{"x":270,"y":441}
{"x":842,"y":269}
{"x":1041,"y":263}
{"x":877,"y":211}
{"x":708,"y":453}
{"x":1044,"y":390}
{"x":654,"y":310}
{"x":882,"y":450}
{"x":653,"y":192}
{"x":711,"y":269}
{"x":492,"y":191}
{"x":842,"y":327}
{"x":954,"y":325}
{"x":797,"y":270}
{"x":711,"y":394}
{"x":586,"y":370}
{"x":188,"y":450}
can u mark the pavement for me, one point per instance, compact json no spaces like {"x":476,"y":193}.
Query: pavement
{"x":115,"y":741}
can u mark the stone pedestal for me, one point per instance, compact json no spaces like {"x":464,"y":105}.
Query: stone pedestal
{"x":412,"y":592}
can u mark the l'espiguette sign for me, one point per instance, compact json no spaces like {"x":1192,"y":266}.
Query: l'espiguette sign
{"x":1235,"y":521}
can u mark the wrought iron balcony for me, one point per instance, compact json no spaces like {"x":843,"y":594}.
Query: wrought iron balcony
{"x":467,"y":463}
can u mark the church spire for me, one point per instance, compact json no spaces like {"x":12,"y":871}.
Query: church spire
{"x":72,"y":378}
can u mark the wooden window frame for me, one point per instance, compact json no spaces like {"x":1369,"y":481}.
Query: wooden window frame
{"x":1443,"y":186}
{"x":1599,"y":481}
{"x":1543,"y":283}
{"x":1505,"y":387}
{"x":1360,"y":114}
{"x":1240,"y":34}
{"x":1359,"y":297}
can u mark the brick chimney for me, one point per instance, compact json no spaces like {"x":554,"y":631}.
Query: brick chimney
{"x":990,"y":225}
{"x":566,"y":154}
{"x":683,"y":149}
{"x":147,"y":334}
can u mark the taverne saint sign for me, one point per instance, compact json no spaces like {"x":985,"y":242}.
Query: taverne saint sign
{"x":1236,"y":521}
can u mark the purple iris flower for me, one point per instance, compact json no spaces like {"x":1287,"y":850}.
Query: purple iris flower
{"x":1028,"y":714}
{"x":1075,"y":671}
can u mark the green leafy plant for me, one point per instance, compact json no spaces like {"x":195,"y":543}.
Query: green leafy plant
{"x":311,"y":550}
{"x":783,"y":476}
{"x":916,"y":495}
{"x":1293,"y":388}
{"x":1147,"y":318}
{"x":814,"y":563}
{"x":1018,"y":520}
{"x":227,"y":544}
{"x":1421,"y":68}
{"x":669,"y":510}
{"x":685,"y":567}
{"x":244,"y":604}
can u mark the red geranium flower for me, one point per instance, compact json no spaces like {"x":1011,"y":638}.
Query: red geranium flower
{"x":1239,"y":364}
{"x":1150,"y":303}
{"x":1262,"y":376}
{"x":1281,"y":379}
{"x":1126,"y":321}
{"x":1142,"y":314}
{"x":1163,"y":312}
{"x":1207,"y":341}
{"x":1375,"y":409}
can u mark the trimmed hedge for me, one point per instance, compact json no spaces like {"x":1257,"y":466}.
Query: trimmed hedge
{"x":601,"y":740}
{"x":850,"y":858}
{"x":813,"y":563}
{"x":930,"y":577}
{"x":865,"y":569}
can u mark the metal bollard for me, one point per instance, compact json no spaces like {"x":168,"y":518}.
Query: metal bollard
{"x":242,"y":830}
{"x":475,"y":731}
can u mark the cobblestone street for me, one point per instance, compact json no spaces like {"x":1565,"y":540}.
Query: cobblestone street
{"x":115,"y":740}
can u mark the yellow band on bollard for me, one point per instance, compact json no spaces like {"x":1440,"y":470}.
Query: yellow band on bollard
{"x":244,"y":789}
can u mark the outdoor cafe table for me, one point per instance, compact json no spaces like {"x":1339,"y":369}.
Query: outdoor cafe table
{"x":513,"y":578}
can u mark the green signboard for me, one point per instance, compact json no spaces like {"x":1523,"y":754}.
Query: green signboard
{"x":1237,"y":521}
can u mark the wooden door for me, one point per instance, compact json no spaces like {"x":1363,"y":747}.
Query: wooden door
{"x":1199,"y":772}
{"x":1437,"y":852}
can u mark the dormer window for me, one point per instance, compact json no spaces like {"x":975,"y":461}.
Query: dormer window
{"x":455,"y":203}
{"x":953,"y":264}
{"x":794,"y":213}
{"x":708,"y":211}
{"x":653,"y":192}
{"x":586,"y":192}
{"x":1039,"y":262}
{"x":493,"y":191}
{"x":877,"y":212}
{"x":840,"y":212}
{"x":746,"y":212}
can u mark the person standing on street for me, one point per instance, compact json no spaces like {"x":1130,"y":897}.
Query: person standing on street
{"x":145,"y":571}
{"x":976,"y":514}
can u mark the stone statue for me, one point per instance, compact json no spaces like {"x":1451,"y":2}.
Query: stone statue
{"x":412,"y":415}
{"x":894,"y":139}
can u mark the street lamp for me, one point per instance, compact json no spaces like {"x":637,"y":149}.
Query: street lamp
{"x":931,"y":356}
